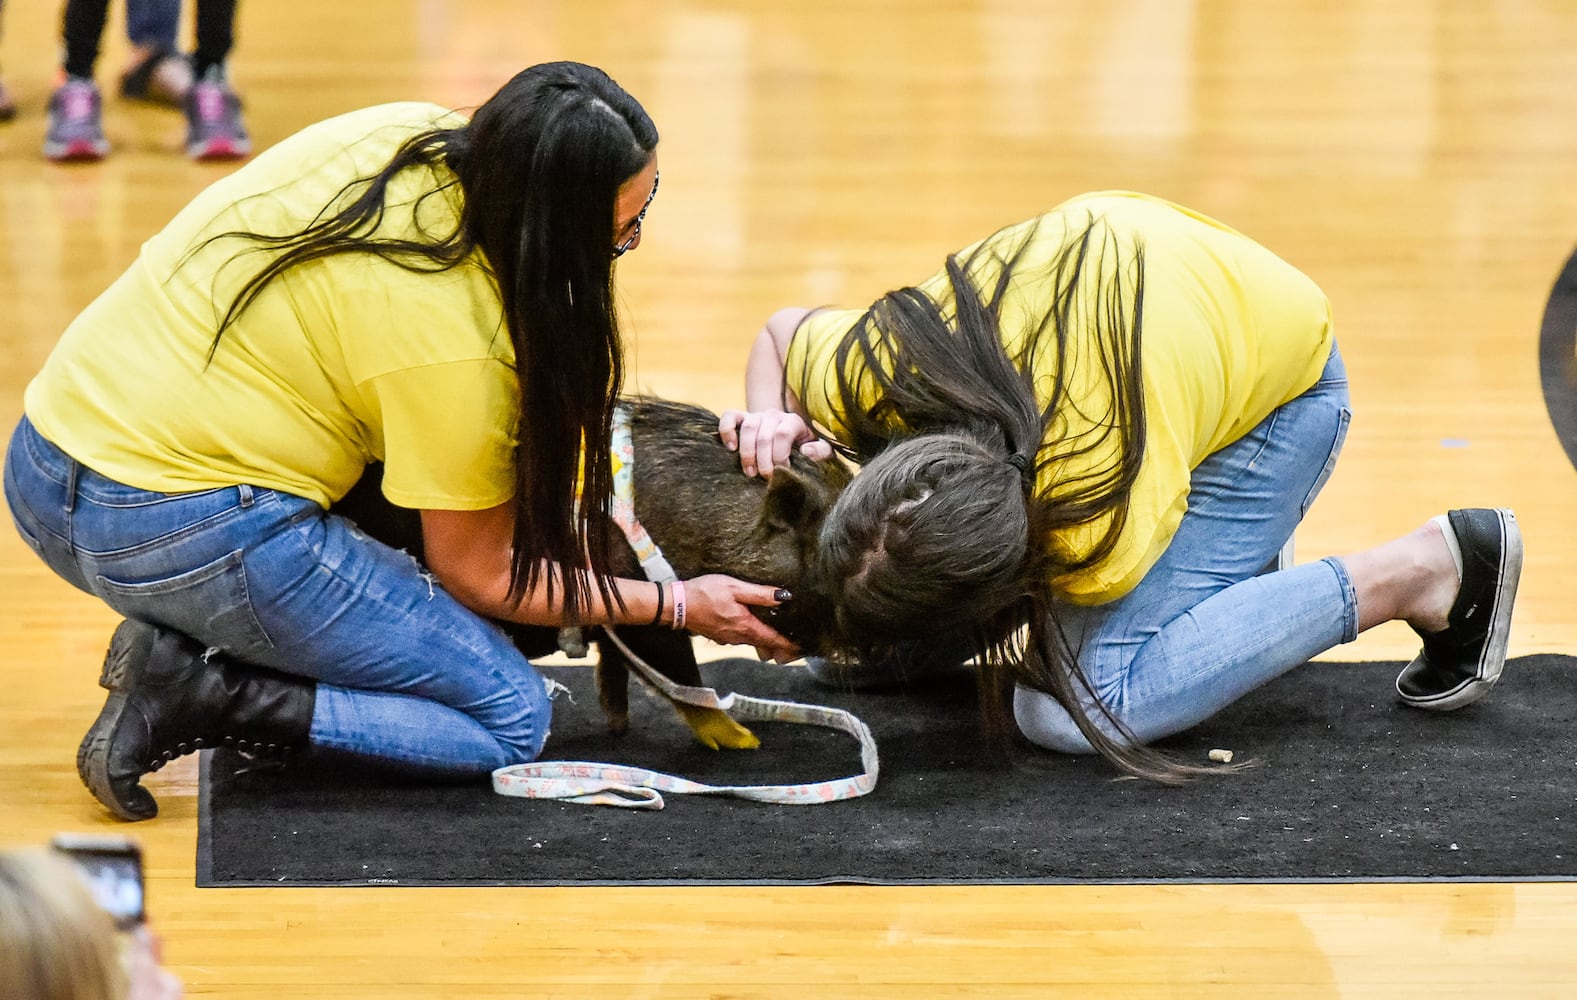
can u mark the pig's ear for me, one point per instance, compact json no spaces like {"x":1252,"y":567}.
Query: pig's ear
{"x":791,"y":503}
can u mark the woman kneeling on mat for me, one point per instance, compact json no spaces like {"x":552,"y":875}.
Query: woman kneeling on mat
{"x":402,"y":284}
{"x":1082,"y":442}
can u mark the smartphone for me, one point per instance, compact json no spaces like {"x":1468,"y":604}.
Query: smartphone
{"x":111,"y":868}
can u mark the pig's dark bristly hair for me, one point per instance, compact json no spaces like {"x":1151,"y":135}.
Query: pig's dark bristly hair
{"x":945,"y":527}
{"x":539,"y":166}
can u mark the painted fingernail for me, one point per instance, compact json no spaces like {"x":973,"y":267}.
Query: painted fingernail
{"x":782,"y":594}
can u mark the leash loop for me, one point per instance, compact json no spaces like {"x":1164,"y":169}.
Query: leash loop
{"x":590,"y":783}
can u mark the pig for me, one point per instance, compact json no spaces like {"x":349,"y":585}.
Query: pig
{"x":707,"y":516}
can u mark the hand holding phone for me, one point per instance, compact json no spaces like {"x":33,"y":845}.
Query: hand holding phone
{"x":111,"y":868}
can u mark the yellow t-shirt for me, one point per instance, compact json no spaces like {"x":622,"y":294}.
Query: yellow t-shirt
{"x":1230,"y":333}
{"x":338,"y":362}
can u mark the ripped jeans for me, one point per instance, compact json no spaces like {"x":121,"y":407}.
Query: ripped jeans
{"x":405,"y":674}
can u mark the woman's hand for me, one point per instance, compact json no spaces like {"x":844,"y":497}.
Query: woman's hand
{"x":766,"y":438}
{"x":718,"y":607}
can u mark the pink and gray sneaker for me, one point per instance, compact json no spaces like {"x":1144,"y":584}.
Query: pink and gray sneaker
{"x":76,"y":123}
{"x":214,"y":130}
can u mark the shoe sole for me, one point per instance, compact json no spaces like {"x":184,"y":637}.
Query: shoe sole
{"x":112,"y":675}
{"x":93,"y":759}
{"x":93,"y":751}
{"x":75,"y":152}
{"x":218,"y":150}
{"x":1493,"y":659}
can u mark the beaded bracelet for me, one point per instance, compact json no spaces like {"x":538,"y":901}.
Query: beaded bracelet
{"x":678,"y":622}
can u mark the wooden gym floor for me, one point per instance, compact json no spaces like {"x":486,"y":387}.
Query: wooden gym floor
{"x":1415,"y":157}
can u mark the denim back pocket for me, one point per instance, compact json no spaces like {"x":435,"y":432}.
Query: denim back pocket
{"x":211,"y":603}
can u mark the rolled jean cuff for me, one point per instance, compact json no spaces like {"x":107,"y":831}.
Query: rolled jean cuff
{"x":1349,"y":599}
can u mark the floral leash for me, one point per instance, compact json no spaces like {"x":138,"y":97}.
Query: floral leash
{"x":590,"y":783}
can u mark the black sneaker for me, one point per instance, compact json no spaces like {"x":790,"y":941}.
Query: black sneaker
{"x":1460,"y":664}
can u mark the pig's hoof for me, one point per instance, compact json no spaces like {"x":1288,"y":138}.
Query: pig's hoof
{"x":717,"y":729}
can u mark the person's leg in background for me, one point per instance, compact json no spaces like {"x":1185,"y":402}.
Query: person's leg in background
{"x":157,"y":71}
{"x":7,"y":105}
{"x":76,"y":108}
{"x":214,"y":126}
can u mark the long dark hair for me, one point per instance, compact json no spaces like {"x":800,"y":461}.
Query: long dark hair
{"x":954,"y":420}
{"x":539,"y":166}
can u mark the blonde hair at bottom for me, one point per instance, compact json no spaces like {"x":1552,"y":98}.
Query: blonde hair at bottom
{"x":56,"y":943}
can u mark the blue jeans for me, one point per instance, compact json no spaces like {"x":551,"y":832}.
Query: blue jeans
{"x":405,"y":674}
{"x":1205,"y":626}
{"x":153,"y":23}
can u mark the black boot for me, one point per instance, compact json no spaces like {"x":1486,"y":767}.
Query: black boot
{"x":166,"y":700}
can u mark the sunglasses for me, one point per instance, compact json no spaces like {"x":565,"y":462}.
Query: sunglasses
{"x":624,"y":248}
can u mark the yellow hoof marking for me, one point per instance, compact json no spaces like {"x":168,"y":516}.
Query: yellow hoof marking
{"x":717,"y":730}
